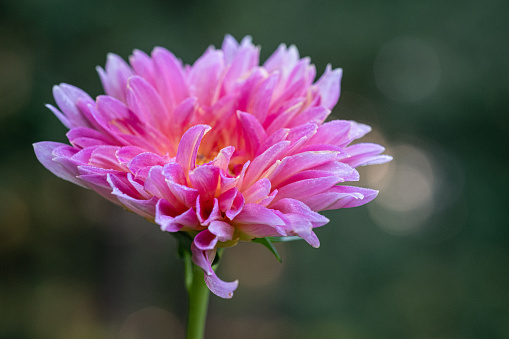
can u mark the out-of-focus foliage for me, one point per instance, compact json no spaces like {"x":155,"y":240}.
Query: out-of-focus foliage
{"x":428,"y":258}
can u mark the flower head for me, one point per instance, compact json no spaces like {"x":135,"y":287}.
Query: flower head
{"x":227,"y":149}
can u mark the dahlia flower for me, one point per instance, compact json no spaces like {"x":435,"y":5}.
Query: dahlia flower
{"x":225,"y":149}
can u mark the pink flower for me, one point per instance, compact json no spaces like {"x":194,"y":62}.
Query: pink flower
{"x":226,"y":149}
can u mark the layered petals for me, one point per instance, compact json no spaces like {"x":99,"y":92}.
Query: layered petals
{"x":226,"y":149}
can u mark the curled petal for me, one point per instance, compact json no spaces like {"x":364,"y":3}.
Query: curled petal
{"x":188,"y":147}
{"x":205,"y":240}
{"x":217,"y":286}
{"x":222,"y":230}
{"x":168,"y":218}
{"x":131,"y":198}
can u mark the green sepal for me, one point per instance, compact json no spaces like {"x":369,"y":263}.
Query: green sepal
{"x":267,"y":242}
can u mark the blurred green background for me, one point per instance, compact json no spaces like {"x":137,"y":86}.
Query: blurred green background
{"x":428,"y":259}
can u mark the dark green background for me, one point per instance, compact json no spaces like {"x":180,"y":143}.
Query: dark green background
{"x":428,"y":259}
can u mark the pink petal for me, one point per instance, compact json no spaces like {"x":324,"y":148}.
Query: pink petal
{"x":217,"y":286}
{"x":205,"y":180}
{"x":114,"y":79}
{"x":229,"y":48}
{"x":188,"y":147}
{"x":170,"y":220}
{"x":170,"y":80}
{"x":292,"y":206}
{"x":207,"y":211}
{"x":231,"y":202}
{"x":45,"y":154}
{"x":143,"y":66}
{"x":365,"y":154}
{"x":67,"y":98}
{"x":305,"y":188}
{"x":146,"y":103}
{"x":256,"y":214}
{"x":258,"y":191}
{"x":329,"y":87}
{"x":222,"y":230}
{"x":141,"y":163}
{"x":131,"y":199}
{"x":301,"y":162}
{"x":204,"y":77}
{"x":263,"y":161}
{"x":340,"y":197}
{"x":83,"y":137}
{"x":254,"y":133}
{"x":261,"y":97}
{"x":205,"y":240}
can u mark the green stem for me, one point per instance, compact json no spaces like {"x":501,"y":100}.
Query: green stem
{"x":198,"y":294}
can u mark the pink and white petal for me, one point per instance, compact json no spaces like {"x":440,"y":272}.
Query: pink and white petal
{"x":316,"y":114}
{"x":245,"y":58}
{"x":263,"y":161}
{"x":164,"y":218}
{"x":205,"y":180}
{"x":229,"y":47}
{"x":67,"y":98}
{"x":260,"y":99}
{"x":217,"y":286}
{"x":173,"y":172}
{"x":340,"y":197}
{"x":339,"y":133}
{"x":222,"y":160}
{"x":141,"y":164}
{"x":329,"y":86}
{"x":157,"y":185}
{"x":130,"y":198}
{"x":44,"y":152}
{"x":251,"y":231}
{"x":256,"y":214}
{"x":83,"y":137}
{"x":222,"y":230}
{"x":186,"y":195}
{"x":266,"y":201}
{"x":104,"y":156}
{"x":305,"y":188}
{"x":172,"y":219}
{"x":365,"y":154}
{"x":204,"y":77}
{"x":114,"y":79}
{"x":207,"y":211}
{"x":171,"y":78}
{"x":273,"y":139}
{"x":236,"y":206}
{"x":127,"y":153}
{"x":292,"y":206}
{"x":143,"y":66}
{"x":253,"y":131}
{"x":301,"y":162}
{"x":205,"y":240}
{"x":188,"y":147}
{"x":183,"y":114}
{"x":146,"y":103}
{"x":258,"y":191}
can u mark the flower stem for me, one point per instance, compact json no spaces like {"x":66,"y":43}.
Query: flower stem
{"x":198,"y":294}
